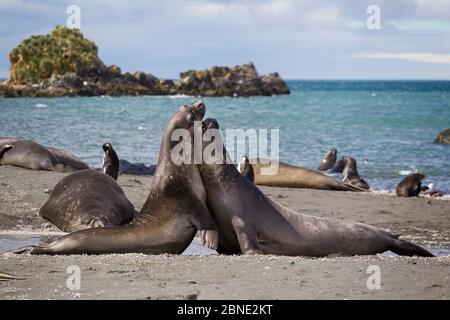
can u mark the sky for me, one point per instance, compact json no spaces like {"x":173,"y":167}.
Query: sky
{"x":300,"y":39}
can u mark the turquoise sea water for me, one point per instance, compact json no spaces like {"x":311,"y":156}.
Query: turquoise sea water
{"x":391,"y":124}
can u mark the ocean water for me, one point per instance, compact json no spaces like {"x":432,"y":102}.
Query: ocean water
{"x":387,"y":126}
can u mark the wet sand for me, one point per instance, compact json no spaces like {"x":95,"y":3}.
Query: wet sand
{"x":424,"y":220}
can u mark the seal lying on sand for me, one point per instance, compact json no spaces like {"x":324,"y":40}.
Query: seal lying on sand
{"x":350,"y":174}
{"x":31,"y":155}
{"x":328,"y":160}
{"x":6,"y":140}
{"x":410,"y":186}
{"x":296,"y":177}
{"x":89,"y":198}
{"x":175,"y":208}
{"x":246,"y":169}
{"x":249,"y":222}
{"x":137,"y":169}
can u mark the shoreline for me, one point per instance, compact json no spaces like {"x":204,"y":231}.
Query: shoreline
{"x":425,"y":221}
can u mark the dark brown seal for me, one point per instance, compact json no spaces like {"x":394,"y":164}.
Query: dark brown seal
{"x":249,"y":222}
{"x":328,"y":161}
{"x":175,"y":208}
{"x":350,"y":174}
{"x":410,"y":186}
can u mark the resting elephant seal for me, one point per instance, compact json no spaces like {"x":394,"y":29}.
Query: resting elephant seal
{"x":111,"y":164}
{"x":6,"y":140}
{"x":246,"y":169}
{"x":31,"y":155}
{"x":249,"y":222}
{"x":289,"y":176}
{"x":328,"y":160}
{"x":175,"y":208}
{"x":410,"y":186}
{"x":89,"y":199}
{"x":137,"y":169}
{"x":350,"y":174}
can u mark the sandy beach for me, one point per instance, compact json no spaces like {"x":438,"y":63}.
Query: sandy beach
{"x":424,"y":220}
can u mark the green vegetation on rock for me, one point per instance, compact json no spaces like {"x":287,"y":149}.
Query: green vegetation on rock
{"x":61,"y":52}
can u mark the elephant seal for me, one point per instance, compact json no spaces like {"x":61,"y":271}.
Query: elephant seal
{"x":175,"y":208}
{"x":89,"y":198}
{"x":410,"y":186}
{"x":31,"y":155}
{"x":338,"y":167}
{"x":290,"y":176}
{"x":137,"y":169}
{"x":111,"y":164}
{"x":250,"y":223}
{"x":350,"y":174}
{"x":328,"y":160}
{"x":246,"y":169}
{"x":70,"y":161}
{"x":6,"y":140}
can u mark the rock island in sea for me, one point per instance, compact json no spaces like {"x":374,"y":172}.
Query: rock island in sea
{"x":64,"y":63}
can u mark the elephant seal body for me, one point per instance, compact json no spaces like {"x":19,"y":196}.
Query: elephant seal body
{"x":296,"y":177}
{"x":6,"y":140}
{"x":246,"y":169}
{"x":410,"y":186}
{"x":137,"y":169}
{"x":328,"y":160}
{"x":89,"y":198}
{"x":86,"y":199}
{"x":111,"y":164}
{"x":175,"y":209}
{"x":351,"y":176}
{"x":338,"y":167}
{"x":70,"y":161}
{"x":249,"y":222}
{"x":31,"y":155}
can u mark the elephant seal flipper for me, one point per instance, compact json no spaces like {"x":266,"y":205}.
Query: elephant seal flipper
{"x":406,"y":248}
{"x":249,"y":222}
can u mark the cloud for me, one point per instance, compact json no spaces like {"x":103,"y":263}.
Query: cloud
{"x":219,"y":12}
{"x":424,"y":57}
{"x":421,"y":25}
{"x":433,"y":7}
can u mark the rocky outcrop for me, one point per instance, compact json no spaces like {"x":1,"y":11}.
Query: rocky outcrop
{"x":64,"y":63}
{"x":241,"y":80}
{"x":443,"y":137}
